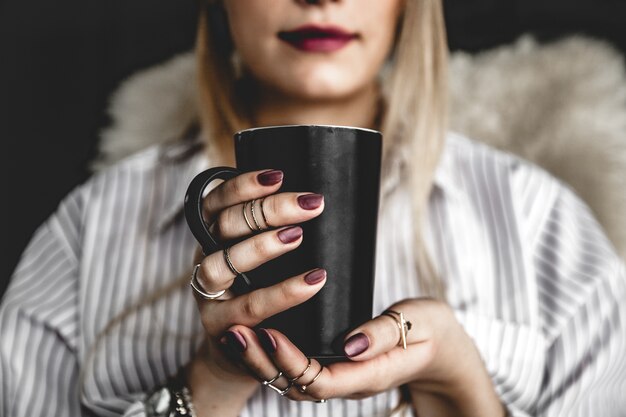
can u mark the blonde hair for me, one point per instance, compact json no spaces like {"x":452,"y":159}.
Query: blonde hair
{"x":414,"y":117}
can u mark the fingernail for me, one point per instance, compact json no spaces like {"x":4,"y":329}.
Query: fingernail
{"x":310,"y":201}
{"x":236,"y":341}
{"x":356,"y":344}
{"x":267,"y":340}
{"x":271,"y":177}
{"x":290,"y":234}
{"x":315,"y":276}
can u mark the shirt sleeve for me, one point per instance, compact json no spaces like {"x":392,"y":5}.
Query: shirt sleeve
{"x":39,"y":322}
{"x":137,"y":409}
{"x":581,"y":287}
{"x":568,"y":358}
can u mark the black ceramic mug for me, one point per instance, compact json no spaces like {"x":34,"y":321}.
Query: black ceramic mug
{"x":343,"y":164}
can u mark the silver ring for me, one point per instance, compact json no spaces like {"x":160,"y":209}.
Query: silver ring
{"x":232,"y":268}
{"x":197,"y":287}
{"x":256,"y":222}
{"x":281,"y":392}
{"x":322,"y":401}
{"x":245,"y":216}
{"x":270,"y":381}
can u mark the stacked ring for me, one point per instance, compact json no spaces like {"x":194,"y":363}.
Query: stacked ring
{"x":256,"y":222}
{"x":263,"y":213}
{"x":303,"y":388}
{"x":245,"y":216}
{"x":303,"y":372}
{"x":255,"y":219}
{"x":292,"y":382}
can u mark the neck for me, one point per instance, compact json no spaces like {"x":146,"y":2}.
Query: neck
{"x":359,"y":109}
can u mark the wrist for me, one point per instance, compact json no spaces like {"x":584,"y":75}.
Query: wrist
{"x":474,"y":398}
{"x":463,"y":386}
{"x":457,"y":403}
{"x":215,"y":391}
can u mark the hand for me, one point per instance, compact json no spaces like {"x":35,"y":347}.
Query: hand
{"x":212,"y":370}
{"x":440,"y":365}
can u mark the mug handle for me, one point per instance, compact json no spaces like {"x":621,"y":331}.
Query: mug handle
{"x":199,"y":229}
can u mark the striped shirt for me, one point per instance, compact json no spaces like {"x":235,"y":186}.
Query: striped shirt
{"x":529,"y":273}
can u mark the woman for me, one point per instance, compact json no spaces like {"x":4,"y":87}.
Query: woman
{"x":523,"y":316}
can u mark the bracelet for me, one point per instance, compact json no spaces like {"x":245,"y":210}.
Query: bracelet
{"x":171,"y":400}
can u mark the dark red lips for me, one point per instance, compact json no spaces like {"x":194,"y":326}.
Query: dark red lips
{"x":313,"y":38}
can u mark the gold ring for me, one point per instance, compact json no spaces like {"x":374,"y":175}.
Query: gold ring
{"x":302,"y":388}
{"x":303,"y":372}
{"x":229,"y":262}
{"x":256,"y":222}
{"x":403,"y":325}
{"x":245,"y":216}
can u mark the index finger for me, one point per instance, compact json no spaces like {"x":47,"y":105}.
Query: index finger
{"x":244,"y":187}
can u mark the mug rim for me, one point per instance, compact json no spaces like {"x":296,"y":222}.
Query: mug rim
{"x":363,"y":129}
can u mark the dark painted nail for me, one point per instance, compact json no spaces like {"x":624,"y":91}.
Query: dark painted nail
{"x":356,"y":344}
{"x":290,"y":234}
{"x":271,"y":177}
{"x":315,"y":276}
{"x":310,"y":201}
{"x":267,"y":340}
{"x":236,"y":341}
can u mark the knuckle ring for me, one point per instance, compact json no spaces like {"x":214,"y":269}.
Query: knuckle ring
{"x":245,"y":216}
{"x":197,"y":287}
{"x":303,"y":372}
{"x":256,"y":222}
{"x":403,"y":325}
{"x":283,"y":391}
{"x":303,"y":388}
{"x":269,"y":383}
{"x":232,"y":268}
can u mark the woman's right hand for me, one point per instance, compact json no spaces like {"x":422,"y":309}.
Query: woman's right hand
{"x":228,"y":385}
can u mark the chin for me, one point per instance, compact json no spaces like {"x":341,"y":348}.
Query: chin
{"x":321,"y":85}
{"x":321,"y":92}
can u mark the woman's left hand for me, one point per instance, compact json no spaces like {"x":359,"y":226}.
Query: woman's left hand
{"x":441,"y":365}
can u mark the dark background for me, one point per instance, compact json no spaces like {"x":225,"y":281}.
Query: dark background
{"x":59,"y":61}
